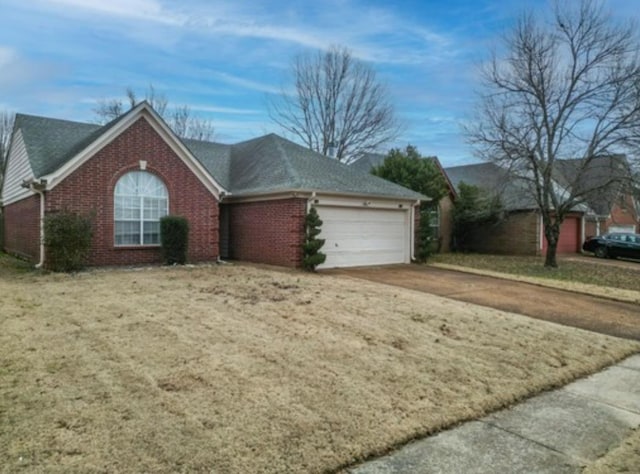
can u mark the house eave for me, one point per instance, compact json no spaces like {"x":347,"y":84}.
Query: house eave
{"x":142,"y":110}
{"x":308,"y":193}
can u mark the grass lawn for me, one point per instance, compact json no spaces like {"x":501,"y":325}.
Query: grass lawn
{"x":241,"y":369}
{"x":587,"y":272}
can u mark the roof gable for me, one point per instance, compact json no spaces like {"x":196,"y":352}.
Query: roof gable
{"x":56,"y":148}
{"x":599,"y":181}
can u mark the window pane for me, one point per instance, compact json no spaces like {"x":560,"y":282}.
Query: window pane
{"x":151,"y":233}
{"x":127,"y":207}
{"x":155,"y":208}
{"x":140,"y":200}
{"x":127,"y":233}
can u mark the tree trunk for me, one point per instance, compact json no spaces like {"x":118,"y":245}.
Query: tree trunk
{"x":552,"y":234}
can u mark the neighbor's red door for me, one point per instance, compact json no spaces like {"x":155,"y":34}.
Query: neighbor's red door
{"x":569,"y":241}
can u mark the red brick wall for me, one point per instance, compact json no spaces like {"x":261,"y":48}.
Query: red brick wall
{"x":446,"y":223}
{"x":623,"y":213}
{"x":89,"y":190}
{"x":591,"y":228}
{"x":269,"y":232}
{"x":517,"y":234}
{"x":22,"y":228}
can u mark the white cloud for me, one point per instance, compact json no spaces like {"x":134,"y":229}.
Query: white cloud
{"x":224,"y":110}
{"x":245,"y":83}
{"x":149,"y":10}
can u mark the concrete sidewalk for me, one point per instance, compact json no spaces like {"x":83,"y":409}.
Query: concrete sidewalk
{"x":557,"y":432}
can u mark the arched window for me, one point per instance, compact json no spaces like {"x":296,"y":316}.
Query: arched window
{"x":140,"y":200}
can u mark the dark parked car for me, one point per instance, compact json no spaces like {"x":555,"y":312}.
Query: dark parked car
{"x":614,"y":245}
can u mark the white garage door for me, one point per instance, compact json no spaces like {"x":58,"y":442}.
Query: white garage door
{"x":622,"y":228}
{"x":361,"y":236}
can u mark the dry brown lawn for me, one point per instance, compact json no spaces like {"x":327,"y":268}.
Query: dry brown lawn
{"x":624,"y":458}
{"x":241,"y":369}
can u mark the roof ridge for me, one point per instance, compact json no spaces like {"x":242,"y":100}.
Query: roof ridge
{"x":287,"y":159}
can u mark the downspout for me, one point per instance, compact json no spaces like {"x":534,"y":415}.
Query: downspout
{"x":583,"y":231}
{"x":412,"y":232}
{"x":219,"y":259}
{"x":310,"y":200}
{"x":40,"y":192}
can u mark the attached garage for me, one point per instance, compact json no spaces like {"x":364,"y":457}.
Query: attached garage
{"x":570,"y":236}
{"x":360,"y":235}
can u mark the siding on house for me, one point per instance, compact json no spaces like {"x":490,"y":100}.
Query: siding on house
{"x":18,"y":170}
{"x":22,"y":228}
{"x":89,"y":190}
{"x":269,"y":232}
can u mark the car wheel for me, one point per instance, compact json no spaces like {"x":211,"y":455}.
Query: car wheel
{"x":601,"y":252}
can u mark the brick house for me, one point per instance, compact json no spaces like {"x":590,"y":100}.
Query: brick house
{"x":608,"y":206}
{"x":245,"y":201}
{"x":612,"y":206}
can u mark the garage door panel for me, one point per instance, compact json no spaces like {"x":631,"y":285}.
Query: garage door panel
{"x":569,"y":240}
{"x":355,"y":236}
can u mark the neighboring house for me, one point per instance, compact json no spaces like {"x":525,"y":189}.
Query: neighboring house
{"x":441,"y":223}
{"x":245,"y":201}
{"x":613,"y":207}
{"x":608,"y":207}
{"x":520,"y":231}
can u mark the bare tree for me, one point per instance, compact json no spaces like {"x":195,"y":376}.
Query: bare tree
{"x":6,"y":127}
{"x":338,"y":102}
{"x":180,"y":118}
{"x":569,"y":88}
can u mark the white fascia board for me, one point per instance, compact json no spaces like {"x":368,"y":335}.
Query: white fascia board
{"x":145,"y":111}
{"x":307,"y":193}
{"x":368,"y":202}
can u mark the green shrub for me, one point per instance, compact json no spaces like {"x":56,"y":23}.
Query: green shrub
{"x":427,"y":244}
{"x":174,"y":238}
{"x":67,"y":238}
{"x":311,"y":255}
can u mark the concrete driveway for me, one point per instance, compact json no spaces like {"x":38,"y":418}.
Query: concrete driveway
{"x":563,"y":307}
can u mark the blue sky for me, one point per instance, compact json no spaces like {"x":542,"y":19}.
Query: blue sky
{"x":223,"y":58}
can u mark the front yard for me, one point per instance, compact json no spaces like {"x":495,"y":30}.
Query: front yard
{"x":243,"y":369}
{"x":586,"y":270}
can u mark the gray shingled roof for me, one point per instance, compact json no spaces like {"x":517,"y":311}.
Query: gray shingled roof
{"x":51,"y":143}
{"x":513,"y":192}
{"x":216,"y":158}
{"x":602,"y":179}
{"x":272,"y":163}
{"x":367,"y":161}
{"x":263,"y":165}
